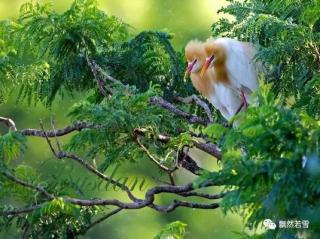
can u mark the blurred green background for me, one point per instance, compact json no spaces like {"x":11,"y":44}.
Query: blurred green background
{"x":186,"y":19}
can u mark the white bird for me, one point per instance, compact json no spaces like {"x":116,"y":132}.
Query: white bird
{"x":221,"y":97}
{"x":234,"y":65}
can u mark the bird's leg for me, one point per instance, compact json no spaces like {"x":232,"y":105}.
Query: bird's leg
{"x":243,"y":99}
{"x":243,"y":102}
{"x":240,"y":107}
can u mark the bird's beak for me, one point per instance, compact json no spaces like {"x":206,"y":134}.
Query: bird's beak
{"x":206,"y":65}
{"x":189,"y":69}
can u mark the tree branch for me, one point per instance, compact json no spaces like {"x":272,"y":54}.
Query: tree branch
{"x":101,"y":219}
{"x":177,"y":203}
{"x":192,"y":119}
{"x":18,"y":211}
{"x":209,"y":148}
{"x":203,"y":195}
{"x":28,"y":185}
{"x":77,"y":126}
{"x":61,"y":154}
{"x":153,"y":159}
{"x":199,"y":102}
{"x":103,"y":88}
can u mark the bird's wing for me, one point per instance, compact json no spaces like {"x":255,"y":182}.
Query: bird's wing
{"x":216,"y":100}
{"x":229,"y":99}
{"x":241,"y":66}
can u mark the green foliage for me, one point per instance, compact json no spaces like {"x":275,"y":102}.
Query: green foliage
{"x":12,"y":145}
{"x":7,"y":56}
{"x":58,"y":219}
{"x":271,"y":160}
{"x":288,"y":36}
{"x":117,"y":118}
{"x":56,"y":46}
{"x":53,"y":49}
{"x":174,"y":230}
{"x":310,"y":97}
{"x":264,"y":164}
{"x":149,"y":57}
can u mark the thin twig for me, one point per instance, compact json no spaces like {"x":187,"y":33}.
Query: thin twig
{"x":101,"y":219}
{"x":28,"y":185}
{"x":55,"y":136}
{"x":18,"y":211}
{"x":153,"y":159}
{"x":62,"y":154}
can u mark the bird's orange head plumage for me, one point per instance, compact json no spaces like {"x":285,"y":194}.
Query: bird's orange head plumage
{"x":196,"y":58}
{"x":215,"y":56}
{"x":194,"y":50}
{"x":215,"y":50}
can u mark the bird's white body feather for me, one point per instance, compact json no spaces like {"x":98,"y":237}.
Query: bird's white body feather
{"x":241,"y":67}
{"x":225,"y":100}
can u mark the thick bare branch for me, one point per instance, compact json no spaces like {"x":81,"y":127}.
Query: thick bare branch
{"x":190,"y":165}
{"x":148,"y":200}
{"x":209,"y":148}
{"x":77,"y":126}
{"x":177,"y":203}
{"x":199,"y":102}
{"x":192,"y":119}
{"x":204,"y":195}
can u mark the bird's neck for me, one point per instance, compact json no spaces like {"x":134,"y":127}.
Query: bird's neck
{"x":221,"y":74}
{"x":204,"y":84}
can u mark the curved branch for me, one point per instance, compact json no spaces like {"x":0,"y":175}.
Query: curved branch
{"x":61,"y":154}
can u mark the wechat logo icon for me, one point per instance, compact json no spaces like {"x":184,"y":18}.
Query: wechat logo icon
{"x":269,"y":224}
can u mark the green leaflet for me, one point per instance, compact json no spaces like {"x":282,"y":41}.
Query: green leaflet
{"x":12,"y":145}
{"x":174,"y":230}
